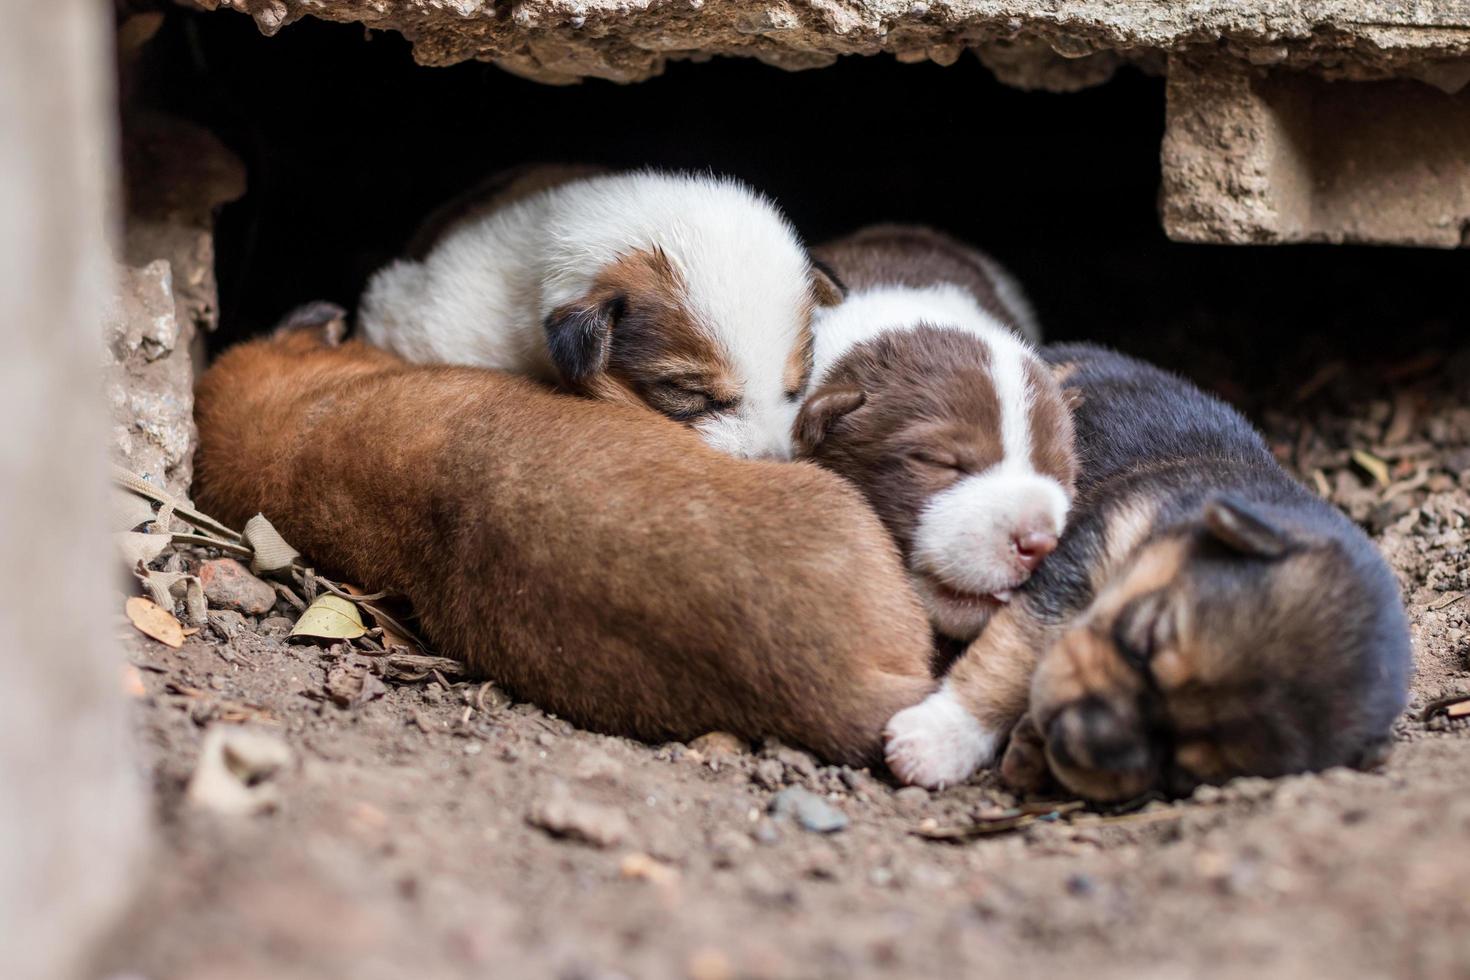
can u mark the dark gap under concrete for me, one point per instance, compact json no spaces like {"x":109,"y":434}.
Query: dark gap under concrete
{"x":348,"y":144}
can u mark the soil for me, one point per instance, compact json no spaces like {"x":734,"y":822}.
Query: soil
{"x":439,"y":829}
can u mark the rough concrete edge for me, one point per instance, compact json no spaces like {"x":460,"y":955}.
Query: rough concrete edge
{"x":562,"y":41}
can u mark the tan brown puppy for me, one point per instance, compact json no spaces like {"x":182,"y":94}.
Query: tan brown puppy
{"x":599,"y":560}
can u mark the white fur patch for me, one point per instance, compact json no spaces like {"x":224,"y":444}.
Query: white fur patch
{"x":937,"y":743}
{"x":866,"y":315}
{"x":965,"y":531}
{"x":482,"y":295}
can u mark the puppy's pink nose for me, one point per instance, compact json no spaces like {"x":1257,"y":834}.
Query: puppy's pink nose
{"x":1032,"y":546}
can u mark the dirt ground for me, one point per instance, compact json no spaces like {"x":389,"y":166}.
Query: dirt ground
{"x":416,"y":834}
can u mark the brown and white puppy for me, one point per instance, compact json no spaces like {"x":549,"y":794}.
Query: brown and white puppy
{"x":1205,"y":617}
{"x":949,"y":423}
{"x":596,"y":559}
{"x":690,"y":294}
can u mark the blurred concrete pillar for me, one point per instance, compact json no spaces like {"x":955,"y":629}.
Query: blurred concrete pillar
{"x":1252,"y":155}
{"x":71,"y":816}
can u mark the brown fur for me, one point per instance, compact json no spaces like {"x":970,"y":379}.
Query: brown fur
{"x":929,"y":413}
{"x":1052,"y":449}
{"x":993,"y":677}
{"x":598,"y":560}
{"x":914,"y":255}
{"x":657,"y":354}
{"x":799,"y":362}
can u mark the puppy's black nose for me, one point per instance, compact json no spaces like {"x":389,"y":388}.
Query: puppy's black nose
{"x":1092,"y":735}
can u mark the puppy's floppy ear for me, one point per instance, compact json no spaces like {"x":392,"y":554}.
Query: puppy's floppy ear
{"x":821,"y":410}
{"x":1243,"y":530}
{"x":579,"y":335}
{"x":827,"y":289}
{"x":323,"y":321}
{"x":1072,"y":397}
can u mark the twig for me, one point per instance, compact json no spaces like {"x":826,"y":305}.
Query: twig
{"x":290,"y":596}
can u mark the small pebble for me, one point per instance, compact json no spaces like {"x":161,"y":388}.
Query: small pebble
{"x":799,"y":766}
{"x":719,"y":743}
{"x":227,"y":584}
{"x":822,"y":861}
{"x":1080,"y":885}
{"x":766,"y":832}
{"x":1208,"y":794}
{"x":911,"y":799}
{"x":727,"y":846}
{"x":225,"y":623}
{"x":560,"y":815}
{"x":768,"y":773}
{"x":809,"y":810}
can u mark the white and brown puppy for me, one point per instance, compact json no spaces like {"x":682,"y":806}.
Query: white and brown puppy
{"x":690,"y":294}
{"x":928,"y":397}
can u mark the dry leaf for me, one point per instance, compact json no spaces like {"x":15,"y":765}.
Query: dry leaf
{"x":165,"y":587}
{"x":271,"y":552}
{"x":392,"y":638}
{"x":136,"y":547}
{"x":237,"y":770}
{"x":155,"y":621}
{"x":353,"y":685}
{"x":330,"y":617}
{"x":411,"y":668}
{"x":1374,"y":466}
{"x":1002,"y":822}
{"x":1454,"y":706}
{"x":128,"y":510}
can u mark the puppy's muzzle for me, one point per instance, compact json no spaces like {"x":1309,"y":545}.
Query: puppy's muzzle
{"x":1101,"y":750}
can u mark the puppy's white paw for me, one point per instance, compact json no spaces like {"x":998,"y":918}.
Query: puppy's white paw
{"x":937,"y":743}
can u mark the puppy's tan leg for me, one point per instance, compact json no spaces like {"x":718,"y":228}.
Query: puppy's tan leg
{"x":958,"y":729}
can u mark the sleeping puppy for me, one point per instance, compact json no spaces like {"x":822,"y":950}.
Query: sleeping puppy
{"x":596,"y":559}
{"x":688,"y":294}
{"x":1204,"y":617}
{"x":954,"y":429}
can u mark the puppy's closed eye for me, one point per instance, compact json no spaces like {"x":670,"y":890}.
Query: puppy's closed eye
{"x":1142,"y":629}
{"x":684,"y":400}
{"x":937,"y":458}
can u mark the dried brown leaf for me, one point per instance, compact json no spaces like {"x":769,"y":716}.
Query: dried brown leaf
{"x":154,"y":621}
